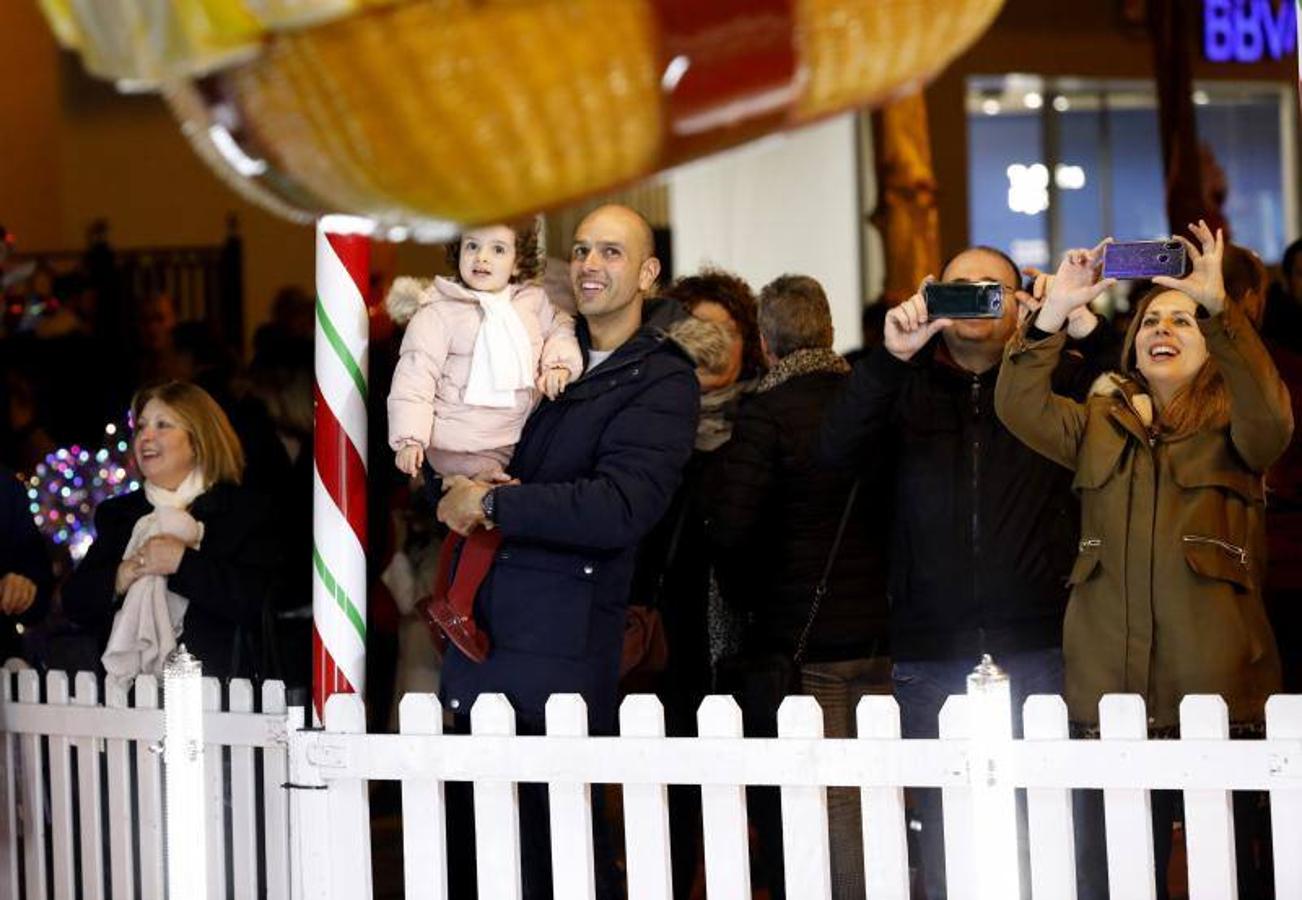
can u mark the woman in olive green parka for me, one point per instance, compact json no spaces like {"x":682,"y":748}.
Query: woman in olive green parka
{"x":1169,"y":457}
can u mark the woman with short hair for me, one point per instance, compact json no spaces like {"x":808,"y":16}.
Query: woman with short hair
{"x":205,"y":544}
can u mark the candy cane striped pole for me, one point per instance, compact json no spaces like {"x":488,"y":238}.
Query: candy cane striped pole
{"x":343,"y":259}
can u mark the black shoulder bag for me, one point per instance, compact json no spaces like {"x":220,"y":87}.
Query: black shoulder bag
{"x":759,"y":681}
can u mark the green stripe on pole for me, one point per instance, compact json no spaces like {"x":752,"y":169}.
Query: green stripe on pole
{"x":341,"y":597}
{"x":341,"y":350}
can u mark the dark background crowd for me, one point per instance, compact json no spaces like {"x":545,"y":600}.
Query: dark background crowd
{"x":751,"y":492}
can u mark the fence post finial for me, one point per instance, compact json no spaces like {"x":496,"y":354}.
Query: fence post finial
{"x":994,"y":809}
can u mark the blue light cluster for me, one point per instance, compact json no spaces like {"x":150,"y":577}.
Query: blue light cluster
{"x":64,"y":490}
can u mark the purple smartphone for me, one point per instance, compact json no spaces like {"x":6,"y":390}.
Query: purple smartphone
{"x":1143,"y":259}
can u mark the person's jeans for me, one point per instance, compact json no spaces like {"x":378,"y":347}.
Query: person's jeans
{"x":921,"y":688}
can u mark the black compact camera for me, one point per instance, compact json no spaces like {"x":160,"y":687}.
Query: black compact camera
{"x":964,"y":299}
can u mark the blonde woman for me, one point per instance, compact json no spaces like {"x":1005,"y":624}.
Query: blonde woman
{"x":192,"y":532}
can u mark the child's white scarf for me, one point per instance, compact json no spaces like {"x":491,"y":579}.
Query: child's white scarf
{"x":502,"y":362}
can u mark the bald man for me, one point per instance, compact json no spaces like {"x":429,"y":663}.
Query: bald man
{"x":593,"y":471}
{"x":984,"y":529}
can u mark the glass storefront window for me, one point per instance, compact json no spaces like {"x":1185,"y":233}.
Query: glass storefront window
{"x":1245,"y":137}
{"x":1007,"y":206}
{"x":1054,"y":164}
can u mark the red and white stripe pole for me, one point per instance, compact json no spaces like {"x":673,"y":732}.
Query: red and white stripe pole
{"x":343,"y":260}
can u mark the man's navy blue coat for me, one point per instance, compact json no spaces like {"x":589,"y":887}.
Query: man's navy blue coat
{"x":598,"y":467}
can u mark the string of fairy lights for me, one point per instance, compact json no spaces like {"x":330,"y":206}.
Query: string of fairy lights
{"x":64,"y":490}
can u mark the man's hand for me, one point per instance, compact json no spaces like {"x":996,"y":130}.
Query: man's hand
{"x":1074,"y":286}
{"x":461,"y":508}
{"x":907,"y":329}
{"x":552,"y":382}
{"x":1205,"y":285}
{"x":17,"y":594}
{"x":160,"y":555}
{"x":408,"y":458}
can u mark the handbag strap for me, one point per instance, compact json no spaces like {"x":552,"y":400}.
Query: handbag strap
{"x":821,"y":590}
{"x":671,"y":554}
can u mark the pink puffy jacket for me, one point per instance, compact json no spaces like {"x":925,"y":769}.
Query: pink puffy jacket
{"x":425,"y":404}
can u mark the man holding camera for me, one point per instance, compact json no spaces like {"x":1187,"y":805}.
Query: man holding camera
{"x":985,"y":530}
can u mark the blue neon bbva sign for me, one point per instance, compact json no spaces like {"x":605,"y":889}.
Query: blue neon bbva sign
{"x":1249,"y":31}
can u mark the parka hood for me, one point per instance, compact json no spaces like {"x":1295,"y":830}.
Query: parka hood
{"x":1114,"y":384}
{"x":408,"y":295}
{"x":405,"y":298}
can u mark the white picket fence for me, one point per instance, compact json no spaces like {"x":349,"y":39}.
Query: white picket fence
{"x":321,"y":850}
{"x":1205,"y":764}
{"x":82,"y":783}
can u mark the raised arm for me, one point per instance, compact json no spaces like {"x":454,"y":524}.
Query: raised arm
{"x":861,"y":412}
{"x":1261,"y":415}
{"x":1050,"y":424}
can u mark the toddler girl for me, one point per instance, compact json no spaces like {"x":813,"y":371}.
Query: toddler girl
{"x":479,"y":350}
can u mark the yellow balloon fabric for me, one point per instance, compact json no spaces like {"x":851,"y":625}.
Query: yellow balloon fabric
{"x":146,"y":42}
{"x":429,"y":114}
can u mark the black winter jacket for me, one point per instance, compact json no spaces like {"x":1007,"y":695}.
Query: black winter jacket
{"x":23,"y":552}
{"x":230,"y":580}
{"x":772,"y":513}
{"x":598,"y":467}
{"x":985,"y":529}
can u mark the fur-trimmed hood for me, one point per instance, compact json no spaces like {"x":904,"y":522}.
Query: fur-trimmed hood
{"x":1114,"y":384}
{"x":408,"y":295}
{"x":707,"y":343}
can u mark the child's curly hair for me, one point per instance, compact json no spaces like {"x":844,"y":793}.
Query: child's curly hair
{"x":529,"y":259}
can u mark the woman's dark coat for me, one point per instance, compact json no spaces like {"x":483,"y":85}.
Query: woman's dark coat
{"x":773,"y":515}
{"x":230,"y":581}
{"x":599,"y":465}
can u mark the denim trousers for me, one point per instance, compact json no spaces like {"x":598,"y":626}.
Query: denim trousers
{"x":921,"y":688}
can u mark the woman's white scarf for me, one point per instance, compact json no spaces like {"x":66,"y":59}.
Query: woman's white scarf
{"x":145,"y":629}
{"x":502,"y":361}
